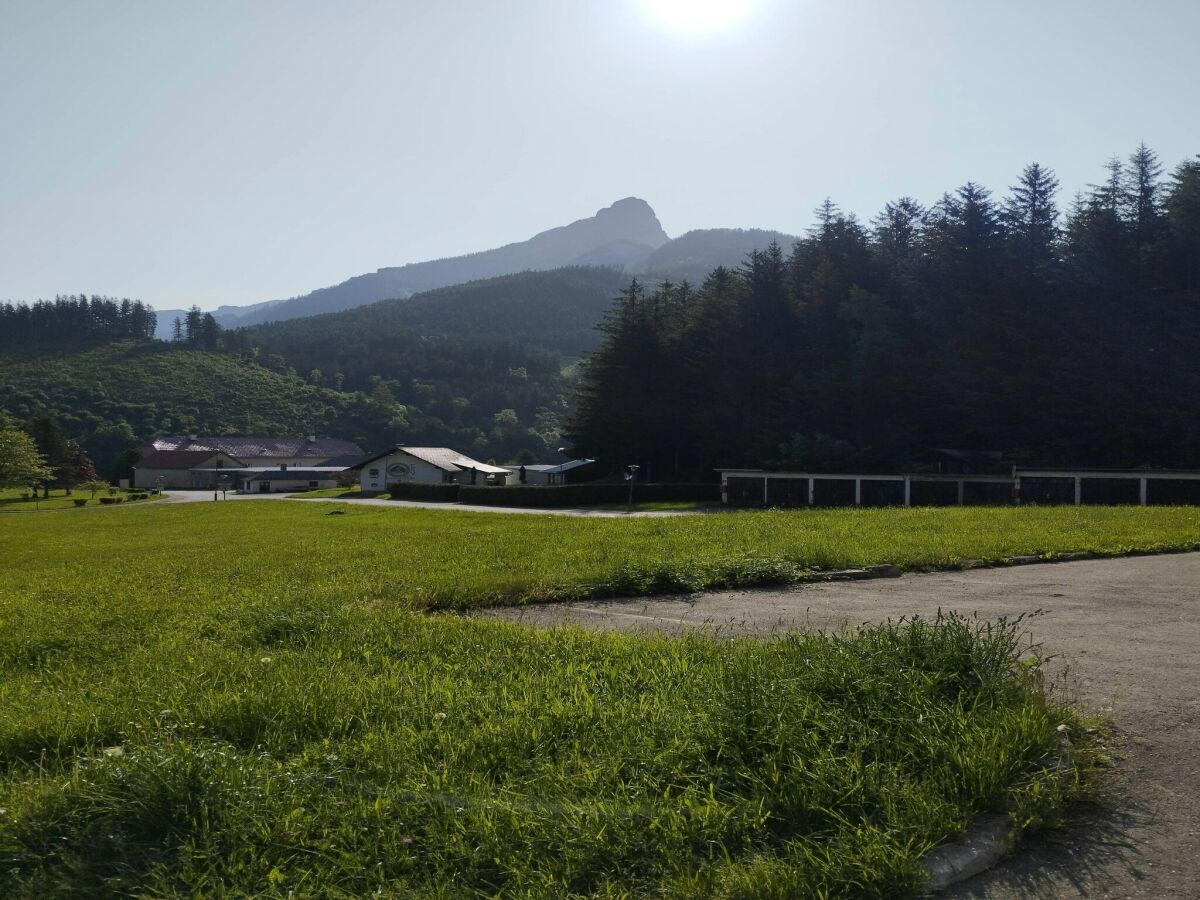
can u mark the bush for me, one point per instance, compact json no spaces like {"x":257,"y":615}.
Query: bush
{"x":80,"y":501}
{"x":591,"y":494}
{"x":438,"y":493}
{"x":108,"y":500}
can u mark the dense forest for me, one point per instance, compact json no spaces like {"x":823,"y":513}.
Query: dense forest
{"x":73,"y":321}
{"x":977,"y":323}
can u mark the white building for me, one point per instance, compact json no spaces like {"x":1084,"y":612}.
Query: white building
{"x":425,"y":465}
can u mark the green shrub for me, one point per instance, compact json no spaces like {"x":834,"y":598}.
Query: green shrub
{"x":438,"y":493}
{"x":591,"y":494}
{"x":108,"y":500}
{"x":80,"y":501}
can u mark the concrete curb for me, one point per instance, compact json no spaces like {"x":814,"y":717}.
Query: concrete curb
{"x":888,"y":570}
{"x":987,"y":841}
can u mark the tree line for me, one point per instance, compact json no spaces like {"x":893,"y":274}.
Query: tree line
{"x":73,"y":320}
{"x":977,"y":323}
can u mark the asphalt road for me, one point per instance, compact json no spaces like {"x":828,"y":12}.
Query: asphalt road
{"x":1126,"y":634}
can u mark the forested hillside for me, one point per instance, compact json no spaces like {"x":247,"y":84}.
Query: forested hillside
{"x":556,"y":310}
{"x":110,"y":397}
{"x":978,"y":323}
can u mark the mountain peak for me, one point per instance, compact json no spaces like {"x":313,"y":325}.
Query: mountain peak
{"x":636,"y":219}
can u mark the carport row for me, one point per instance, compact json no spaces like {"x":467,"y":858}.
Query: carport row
{"x":755,"y":487}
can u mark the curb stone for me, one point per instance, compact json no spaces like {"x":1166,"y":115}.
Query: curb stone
{"x":987,"y":841}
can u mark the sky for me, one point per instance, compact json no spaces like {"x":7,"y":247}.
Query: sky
{"x":220,"y":152}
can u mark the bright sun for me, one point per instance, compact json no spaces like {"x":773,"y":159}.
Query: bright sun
{"x":698,"y":17}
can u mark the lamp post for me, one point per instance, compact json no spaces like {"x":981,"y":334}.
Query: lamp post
{"x":562,"y":478}
{"x":630,"y":475}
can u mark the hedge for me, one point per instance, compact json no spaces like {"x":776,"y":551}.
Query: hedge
{"x":438,"y":493}
{"x":591,"y":494}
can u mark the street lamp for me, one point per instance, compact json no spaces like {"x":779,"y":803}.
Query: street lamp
{"x":630,"y":475}
{"x":562,"y":451}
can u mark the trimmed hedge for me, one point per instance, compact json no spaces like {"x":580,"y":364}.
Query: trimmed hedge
{"x":590,"y":494}
{"x":438,"y":493}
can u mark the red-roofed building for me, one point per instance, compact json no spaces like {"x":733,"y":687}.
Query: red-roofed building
{"x":194,"y":461}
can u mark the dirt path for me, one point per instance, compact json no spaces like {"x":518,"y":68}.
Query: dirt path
{"x":1126,"y":633}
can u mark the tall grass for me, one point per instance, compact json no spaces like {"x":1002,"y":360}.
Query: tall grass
{"x":245,"y":699}
{"x":339,"y":751}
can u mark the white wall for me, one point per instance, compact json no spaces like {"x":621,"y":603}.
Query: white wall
{"x":289,"y":486}
{"x":420,"y":472}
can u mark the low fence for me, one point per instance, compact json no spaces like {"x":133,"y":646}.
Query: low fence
{"x":754,"y":487}
{"x":557,"y":496}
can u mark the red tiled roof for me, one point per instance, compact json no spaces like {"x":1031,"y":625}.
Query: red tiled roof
{"x":249,"y":448}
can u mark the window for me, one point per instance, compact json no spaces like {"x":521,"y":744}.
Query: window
{"x":374,"y":472}
{"x":313,"y":484}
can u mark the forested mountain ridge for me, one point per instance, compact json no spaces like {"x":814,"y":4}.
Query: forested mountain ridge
{"x":976,"y":323}
{"x":555,"y":310}
{"x":630,"y":221}
{"x":626,"y":236}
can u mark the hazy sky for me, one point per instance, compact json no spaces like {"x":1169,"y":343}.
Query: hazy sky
{"x":230,"y":152}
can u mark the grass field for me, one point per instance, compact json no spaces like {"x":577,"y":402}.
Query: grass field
{"x":246,"y":699}
{"x":352,"y":491}
{"x":14,"y":500}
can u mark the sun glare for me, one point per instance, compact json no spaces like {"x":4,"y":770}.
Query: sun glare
{"x":698,"y":17}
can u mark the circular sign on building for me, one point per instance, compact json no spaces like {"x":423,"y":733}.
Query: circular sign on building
{"x":399,"y":470}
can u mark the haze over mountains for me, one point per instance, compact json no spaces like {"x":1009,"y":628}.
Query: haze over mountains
{"x":626,"y":236}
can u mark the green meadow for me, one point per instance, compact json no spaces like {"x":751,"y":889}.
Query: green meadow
{"x":255,"y":699}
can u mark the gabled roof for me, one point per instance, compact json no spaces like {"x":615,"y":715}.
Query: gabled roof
{"x":555,"y":467}
{"x":176,"y":459}
{"x":295,"y":475}
{"x":440,"y":457}
{"x":254,"y":446}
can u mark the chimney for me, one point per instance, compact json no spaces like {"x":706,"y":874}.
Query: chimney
{"x":312,"y":438}
{"x":192,"y":437}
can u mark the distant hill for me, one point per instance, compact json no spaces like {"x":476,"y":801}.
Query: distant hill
{"x":556,"y":310}
{"x":626,"y":236}
{"x":228,"y":316}
{"x":620,"y":234}
{"x":693,"y":255}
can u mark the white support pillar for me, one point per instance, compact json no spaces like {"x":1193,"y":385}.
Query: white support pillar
{"x":1078,"y":490}
{"x":811,"y":490}
{"x":858,"y":492}
{"x":766,"y":480}
{"x":907,"y":491}
{"x":961,"y":491}
{"x":1142,"y":491}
